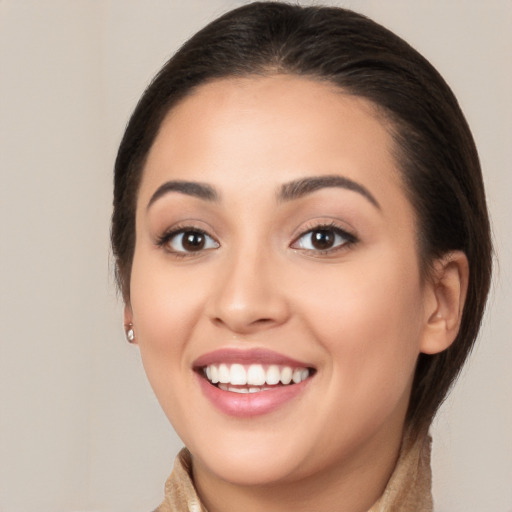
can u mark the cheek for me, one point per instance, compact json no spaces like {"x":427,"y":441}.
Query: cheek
{"x":165,"y":304}
{"x":369,"y":321}
{"x":166,"y":307}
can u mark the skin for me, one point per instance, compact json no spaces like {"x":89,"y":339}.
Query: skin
{"x":360,"y":313}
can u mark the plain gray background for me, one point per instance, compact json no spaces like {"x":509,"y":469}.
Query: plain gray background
{"x":80,"y":429}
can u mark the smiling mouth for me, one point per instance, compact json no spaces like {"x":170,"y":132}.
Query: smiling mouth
{"x":253,"y":378}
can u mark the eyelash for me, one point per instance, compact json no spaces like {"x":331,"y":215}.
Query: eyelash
{"x":168,"y":236}
{"x":349,"y":239}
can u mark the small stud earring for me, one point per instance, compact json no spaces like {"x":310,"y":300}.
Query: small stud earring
{"x":130,"y":335}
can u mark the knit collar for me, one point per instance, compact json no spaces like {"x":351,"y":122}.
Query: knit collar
{"x":410,"y":485}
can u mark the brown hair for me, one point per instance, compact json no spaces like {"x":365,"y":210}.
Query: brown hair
{"x":434,"y":147}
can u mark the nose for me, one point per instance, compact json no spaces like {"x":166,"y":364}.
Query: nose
{"x":249,"y":295}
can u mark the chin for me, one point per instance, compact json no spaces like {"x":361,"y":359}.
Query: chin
{"x":252,"y":468}
{"x":249,"y":457}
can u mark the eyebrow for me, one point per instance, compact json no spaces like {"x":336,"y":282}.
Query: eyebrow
{"x":299,"y":188}
{"x":288,"y":192}
{"x":190,"y":188}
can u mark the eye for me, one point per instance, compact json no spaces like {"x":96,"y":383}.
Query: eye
{"x":188,"y":241}
{"x":323,"y":239}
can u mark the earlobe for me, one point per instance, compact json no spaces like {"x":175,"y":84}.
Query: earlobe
{"x":447,"y":293}
{"x":128,"y":324}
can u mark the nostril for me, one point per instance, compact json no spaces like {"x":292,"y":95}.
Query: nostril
{"x":242,"y":324}
{"x":263,"y":321}
{"x":218,"y":321}
{"x":259,"y":321}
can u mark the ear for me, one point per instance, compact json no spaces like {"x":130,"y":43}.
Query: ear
{"x":128,"y":321}
{"x":446,"y":294}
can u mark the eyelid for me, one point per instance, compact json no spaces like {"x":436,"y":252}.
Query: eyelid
{"x":350,"y":238}
{"x":168,"y":235}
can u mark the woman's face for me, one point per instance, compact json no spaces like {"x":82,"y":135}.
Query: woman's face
{"x":274,"y":241}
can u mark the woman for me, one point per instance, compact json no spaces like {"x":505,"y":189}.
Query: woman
{"x":303,"y":248}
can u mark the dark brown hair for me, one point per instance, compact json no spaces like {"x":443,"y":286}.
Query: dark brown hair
{"x":434,"y":147}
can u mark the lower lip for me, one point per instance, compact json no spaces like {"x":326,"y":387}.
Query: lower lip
{"x":244,"y":405}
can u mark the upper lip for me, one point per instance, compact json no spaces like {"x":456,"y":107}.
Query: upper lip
{"x":248,"y":356}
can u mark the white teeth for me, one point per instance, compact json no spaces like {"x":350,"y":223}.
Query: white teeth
{"x":273,"y":375}
{"x":297,"y":375}
{"x":238,"y":375}
{"x":256,"y":375}
{"x":238,"y":390}
{"x":226,"y":387}
{"x":286,"y":375}
{"x":228,"y":375}
{"x":224,"y":374}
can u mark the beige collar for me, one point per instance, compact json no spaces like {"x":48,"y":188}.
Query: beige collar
{"x":410,"y":486}
{"x":408,"y":489}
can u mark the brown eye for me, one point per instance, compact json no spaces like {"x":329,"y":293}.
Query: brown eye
{"x":193,"y":241}
{"x":188,"y":241}
{"x":323,"y":239}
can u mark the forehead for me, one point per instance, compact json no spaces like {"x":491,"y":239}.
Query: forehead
{"x":270,"y":130}
{"x":254,"y":104}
